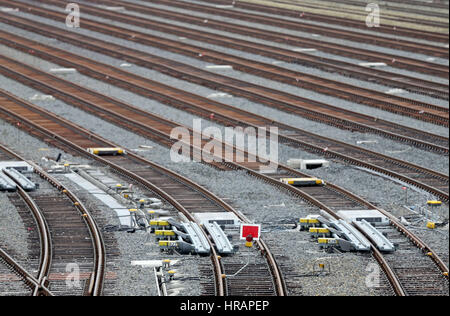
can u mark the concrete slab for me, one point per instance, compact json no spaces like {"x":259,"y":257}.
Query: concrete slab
{"x":151,"y":263}
{"x":374,"y":217}
{"x":121,"y":210}
{"x":219,"y":67}
{"x":84,"y":183}
{"x":21,"y":166}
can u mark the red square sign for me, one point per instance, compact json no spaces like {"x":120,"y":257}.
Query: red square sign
{"x":250,"y":229}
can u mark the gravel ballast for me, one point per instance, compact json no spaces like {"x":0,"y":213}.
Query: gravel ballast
{"x":260,"y":202}
{"x":310,"y":22}
{"x":271,"y":206}
{"x":388,"y":147}
{"x":295,"y":33}
{"x":13,"y":233}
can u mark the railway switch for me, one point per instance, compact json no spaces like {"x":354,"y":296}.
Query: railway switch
{"x":328,"y":243}
{"x":163,"y":234}
{"x":185,"y":238}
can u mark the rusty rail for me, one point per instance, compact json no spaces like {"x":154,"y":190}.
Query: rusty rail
{"x":96,"y":283}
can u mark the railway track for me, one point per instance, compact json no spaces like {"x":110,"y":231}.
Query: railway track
{"x":182,"y":193}
{"x":418,"y":3}
{"x":19,"y":281}
{"x":67,"y":235}
{"x":414,"y":269}
{"x":409,"y":83}
{"x":285,"y":102}
{"x":396,"y":14}
{"x":329,"y":198}
{"x":431,"y":181}
{"x":347,"y":69}
{"x":301,"y":42}
{"x":291,"y":25}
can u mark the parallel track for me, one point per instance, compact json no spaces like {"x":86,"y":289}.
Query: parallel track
{"x":431,"y":181}
{"x":368,"y":74}
{"x":326,"y":86}
{"x":67,"y":234}
{"x":285,"y":102}
{"x":277,"y":37}
{"x":394,"y":16}
{"x":309,"y":28}
{"x":340,"y":198}
{"x":182,"y":193}
{"x":329,"y":198}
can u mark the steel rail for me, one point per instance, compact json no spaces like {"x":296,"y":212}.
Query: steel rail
{"x":45,"y":239}
{"x":396,"y":104}
{"x":395,"y":15}
{"x":277,"y":37}
{"x":96,"y":283}
{"x":401,"y":31}
{"x":27,"y":278}
{"x":395,"y":282}
{"x":392,"y":60}
{"x":44,"y":236}
{"x":273,"y":21}
{"x":264,"y":249}
{"x":121,"y":170}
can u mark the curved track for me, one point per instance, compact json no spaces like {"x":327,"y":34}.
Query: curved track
{"x":182,"y":193}
{"x":328,"y":200}
{"x":364,"y":73}
{"x":59,"y":245}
